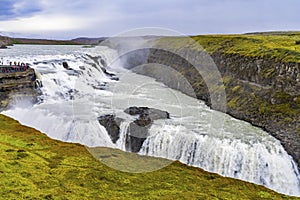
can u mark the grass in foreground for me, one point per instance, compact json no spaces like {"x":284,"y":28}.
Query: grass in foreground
{"x":33,"y":166}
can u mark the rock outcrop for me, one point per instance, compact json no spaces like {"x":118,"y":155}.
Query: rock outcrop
{"x":18,"y":85}
{"x":98,"y":60}
{"x":66,"y":66}
{"x":4,"y":42}
{"x":148,"y":114}
{"x":138,"y":130}
{"x":3,"y":46}
{"x":112,"y":126}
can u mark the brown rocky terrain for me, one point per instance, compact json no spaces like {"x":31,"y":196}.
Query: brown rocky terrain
{"x":18,"y":85}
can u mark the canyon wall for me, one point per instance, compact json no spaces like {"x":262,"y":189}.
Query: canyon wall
{"x":16,"y":86}
{"x":259,"y":90}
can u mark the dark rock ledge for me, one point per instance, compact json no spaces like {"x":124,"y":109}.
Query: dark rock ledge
{"x":138,"y":130}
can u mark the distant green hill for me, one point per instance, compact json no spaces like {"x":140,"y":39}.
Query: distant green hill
{"x":33,"y":166}
{"x":5,"y":41}
{"x":43,"y":41}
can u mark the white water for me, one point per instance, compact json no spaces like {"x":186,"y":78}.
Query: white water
{"x":72,"y":101}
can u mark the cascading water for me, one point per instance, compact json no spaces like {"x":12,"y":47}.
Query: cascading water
{"x":123,"y":132}
{"x":72,"y":99}
{"x":63,"y":90}
{"x":251,"y":161}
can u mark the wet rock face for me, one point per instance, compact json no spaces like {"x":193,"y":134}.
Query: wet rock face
{"x":112,"y":125}
{"x":18,"y":85}
{"x":66,"y":65}
{"x":4,"y":42}
{"x":146,"y":113}
{"x":138,"y":130}
{"x":98,"y":60}
{"x":136,"y":135}
{"x":2,"y":46}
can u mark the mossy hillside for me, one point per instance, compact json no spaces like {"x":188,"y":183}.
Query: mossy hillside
{"x":7,"y":41}
{"x":282,"y":47}
{"x":262,"y":105}
{"x":34,"y":166}
{"x":43,"y":41}
{"x":255,"y":102}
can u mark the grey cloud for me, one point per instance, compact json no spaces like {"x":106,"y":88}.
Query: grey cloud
{"x":109,"y":17}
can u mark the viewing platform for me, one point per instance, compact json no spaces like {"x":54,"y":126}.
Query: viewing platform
{"x":16,"y":76}
{"x":13,"y":68}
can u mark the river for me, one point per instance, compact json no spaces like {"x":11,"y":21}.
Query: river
{"x":72,"y":100}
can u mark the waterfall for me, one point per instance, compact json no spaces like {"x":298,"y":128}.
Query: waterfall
{"x":66,"y":108}
{"x":123,"y":132}
{"x":253,"y":162}
{"x":72,"y":100}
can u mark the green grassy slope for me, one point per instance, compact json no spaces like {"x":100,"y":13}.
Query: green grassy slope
{"x":283,"y":46}
{"x":33,"y":166}
{"x":43,"y":41}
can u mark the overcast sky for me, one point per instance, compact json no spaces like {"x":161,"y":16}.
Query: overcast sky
{"x":94,"y":18}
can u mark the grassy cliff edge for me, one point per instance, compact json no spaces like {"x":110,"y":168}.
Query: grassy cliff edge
{"x":34,"y":166}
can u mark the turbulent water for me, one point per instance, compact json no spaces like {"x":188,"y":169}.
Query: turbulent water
{"x":72,"y":100}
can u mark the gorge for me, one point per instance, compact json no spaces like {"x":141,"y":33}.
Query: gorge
{"x":262,"y":90}
{"x":73,"y":99}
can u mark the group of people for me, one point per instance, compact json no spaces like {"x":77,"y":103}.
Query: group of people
{"x":13,"y":67}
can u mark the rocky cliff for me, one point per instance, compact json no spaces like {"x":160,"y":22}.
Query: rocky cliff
{"x":266,"y":93}
{"x":138,"y":130}
{"x":4,"y":42}
{"x":262,"y":90}
{"x":15,"y":86}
